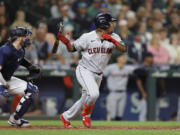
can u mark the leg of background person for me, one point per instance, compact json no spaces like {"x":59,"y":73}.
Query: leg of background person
{"x":178,"y":111}
{"x":143,"y":110}
{"x":112,"y":100}
{"x":157,"y":108}
{"x":121,"y":105}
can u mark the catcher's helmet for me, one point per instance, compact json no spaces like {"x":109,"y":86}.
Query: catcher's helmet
{"x":19,"y":32}
{"x":102,"y":20}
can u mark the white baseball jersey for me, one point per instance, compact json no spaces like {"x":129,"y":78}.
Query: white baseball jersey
{"x":95,"y":56}
{"x":95,"y":52}
{"x":117,"y":78}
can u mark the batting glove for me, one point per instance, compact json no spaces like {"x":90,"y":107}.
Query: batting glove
{"x":109,"y":38}
{"x":64,"y":40}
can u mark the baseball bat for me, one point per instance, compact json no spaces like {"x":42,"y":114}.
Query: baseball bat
{"x":56,"y":43}
{"x":55,"y":47}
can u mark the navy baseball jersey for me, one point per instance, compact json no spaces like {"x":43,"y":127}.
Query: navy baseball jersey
{"x":10,"y":59}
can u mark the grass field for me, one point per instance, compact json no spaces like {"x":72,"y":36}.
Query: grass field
{"x":98,"y":128}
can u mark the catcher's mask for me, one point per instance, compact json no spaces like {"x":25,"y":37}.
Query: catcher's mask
{"x":20,"y":32}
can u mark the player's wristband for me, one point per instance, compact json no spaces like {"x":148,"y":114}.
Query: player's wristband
{"x":64,"y":40}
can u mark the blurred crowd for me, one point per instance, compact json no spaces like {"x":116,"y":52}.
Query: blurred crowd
{"x":144,"y":25}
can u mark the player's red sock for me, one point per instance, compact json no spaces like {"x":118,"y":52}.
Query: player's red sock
{"x":15,"y":102}
{"x":87,"y":109}
{"x":86,"y":115}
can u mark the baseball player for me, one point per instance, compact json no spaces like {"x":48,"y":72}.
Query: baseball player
{"x":117,"y":78}
{"x":141,"y":78}
{"x":11,"y":57}
{"x":96,"y":49}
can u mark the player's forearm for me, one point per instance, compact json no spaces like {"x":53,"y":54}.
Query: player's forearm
{"x":2,"y":80}
{"x":26,"y":63}
{"x":140,"y":86}
{"x":121,"y":47}
{"x":71,"y":49}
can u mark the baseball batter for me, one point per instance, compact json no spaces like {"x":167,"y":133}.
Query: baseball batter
{"x":117,"y":78}
{"x":96,"y":48}
{"x":11,"y":57}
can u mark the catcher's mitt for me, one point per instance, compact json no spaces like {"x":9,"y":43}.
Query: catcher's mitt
{"x":34,"y":73}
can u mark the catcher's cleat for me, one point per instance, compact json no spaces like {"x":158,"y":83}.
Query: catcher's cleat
{"x":19,"y":122}
{"x":66,"y":123}
{"x":86,"y":121}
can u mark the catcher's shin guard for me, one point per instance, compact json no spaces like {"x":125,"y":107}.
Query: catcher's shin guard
{"x":25,"y":101}
{"x":86,"y":115}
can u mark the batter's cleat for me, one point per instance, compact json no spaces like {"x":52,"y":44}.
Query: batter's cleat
{"x":66,"y":123}
{"x":86,"y":121}
{"x":19,"y":122}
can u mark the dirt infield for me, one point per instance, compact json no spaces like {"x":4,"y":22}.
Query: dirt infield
{"x":95,"y":128}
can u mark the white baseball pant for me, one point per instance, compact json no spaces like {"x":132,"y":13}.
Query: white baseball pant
{"x":143,"y":110}
{"x":90,"y":83}
{"x":116,"y":103}
{"x":17,"y":86}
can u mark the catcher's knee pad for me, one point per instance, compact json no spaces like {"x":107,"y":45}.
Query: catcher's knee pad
{"x":31,"y":88}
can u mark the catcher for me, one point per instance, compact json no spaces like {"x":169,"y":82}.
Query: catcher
{"x":11,"y":57}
